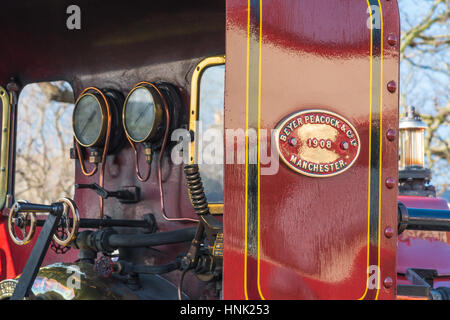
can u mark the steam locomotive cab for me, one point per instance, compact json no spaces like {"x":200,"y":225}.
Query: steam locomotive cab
{"x":222,"y":151}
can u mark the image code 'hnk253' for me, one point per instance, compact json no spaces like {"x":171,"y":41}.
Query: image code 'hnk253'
{"x":213,"y":150}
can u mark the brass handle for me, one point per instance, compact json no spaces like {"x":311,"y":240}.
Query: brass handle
{"x":21,"y":220}
{"x":22,"y":216}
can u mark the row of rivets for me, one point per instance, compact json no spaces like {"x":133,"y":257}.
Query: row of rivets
{"x":390,"y":182}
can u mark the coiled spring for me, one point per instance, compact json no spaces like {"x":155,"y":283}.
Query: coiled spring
{"x":195,"y":186}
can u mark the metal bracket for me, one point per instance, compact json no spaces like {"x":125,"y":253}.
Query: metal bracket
{"x":128,"y":194}
{"x":422,"y":283}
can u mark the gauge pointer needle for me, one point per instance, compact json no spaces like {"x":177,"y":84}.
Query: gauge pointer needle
{"x":87,"y":122}
{"x":141,"y":114}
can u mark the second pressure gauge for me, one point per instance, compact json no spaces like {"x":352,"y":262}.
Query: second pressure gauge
{"x":142,"y":114}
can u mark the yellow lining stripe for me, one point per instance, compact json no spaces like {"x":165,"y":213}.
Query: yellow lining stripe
{"x":370,"y":151}
{"x":381,"y":149}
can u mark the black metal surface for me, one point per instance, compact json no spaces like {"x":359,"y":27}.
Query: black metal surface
{"x":103,"y":223}
{"x":107,"y":240}
{"x":441,"y":293}
{"x":423,"y":219}
{"x":422,"y":285}
{"x":423,"y":277}
{"x":415,"y":181}
{"x":56,"y":208}
{"x":153,"y":239}
{"x":126,"y":195}
{"x":37,"y":255}
{"x":413,"y":290}
{"x":128,"y":267}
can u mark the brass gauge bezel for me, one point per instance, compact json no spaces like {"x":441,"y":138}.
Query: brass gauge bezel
{"x":157,"y":110}
{"x":101,"y":135}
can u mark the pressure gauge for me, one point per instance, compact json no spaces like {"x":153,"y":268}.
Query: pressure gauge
{"x":142,"y":114}
{"x":89,"y":120}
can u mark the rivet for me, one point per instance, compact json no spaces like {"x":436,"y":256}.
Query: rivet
{"x":391,"y":134}
{"x":389,"y":232}
{"x":392,"y":86}
{"x":388,"y":282}
{"x":390,"y":182}
{"x":392,"y":39}
{"x":293,"y":141}
{"x":344,"y":145}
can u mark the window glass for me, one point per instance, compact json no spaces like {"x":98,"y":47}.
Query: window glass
{"x":44,"y":171}
{"x":211,"y":149}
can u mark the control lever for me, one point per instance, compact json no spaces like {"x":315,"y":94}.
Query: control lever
{"x":56,"y":212}
{"x":23,"y":215}
{"x":129,"y":194}
{"x":206,"y":265}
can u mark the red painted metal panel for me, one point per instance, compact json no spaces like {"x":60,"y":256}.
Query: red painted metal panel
{"x":288,"y":236}
{"x":14,"y":257}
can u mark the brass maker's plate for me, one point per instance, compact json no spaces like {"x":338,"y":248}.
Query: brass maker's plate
{"x":317,"y":143}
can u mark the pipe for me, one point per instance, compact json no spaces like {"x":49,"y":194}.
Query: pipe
{"x":56,"y":208}
{"x":422,"y":219}
{"x":106,"y":223}
{"x":152,"y":239}
{"x":127,"y":267}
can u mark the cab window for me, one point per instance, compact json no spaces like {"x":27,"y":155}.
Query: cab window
{"x":44,"y":171}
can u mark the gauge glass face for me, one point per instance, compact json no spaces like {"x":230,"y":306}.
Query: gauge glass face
{"x":140,"y":114}
{"x":87,"y":120}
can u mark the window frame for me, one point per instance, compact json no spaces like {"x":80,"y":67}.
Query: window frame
{"x":5,"y":148}
{"x":194,"y":113}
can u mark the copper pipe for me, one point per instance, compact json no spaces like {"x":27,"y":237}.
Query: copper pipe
{"x":80,"y":158}
{"x":105,"y":148}
{"x":166,"y":134}
{"x":136,"y":163}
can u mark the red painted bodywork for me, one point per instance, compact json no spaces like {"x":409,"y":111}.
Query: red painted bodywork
{"x":312,"y":246}
{"x":313,"y":233}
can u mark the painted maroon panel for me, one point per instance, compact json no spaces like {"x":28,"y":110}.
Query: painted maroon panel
{"x":289,"y":236}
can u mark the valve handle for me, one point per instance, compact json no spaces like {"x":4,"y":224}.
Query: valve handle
{"x":58,"y":249}
{"x":104,"y":266}
{"x":22,"y":215}
{"x":21,"y":220}
{"x":69,"y":231}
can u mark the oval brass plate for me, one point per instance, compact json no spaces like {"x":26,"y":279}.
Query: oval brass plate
{"x":317,"y":143}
